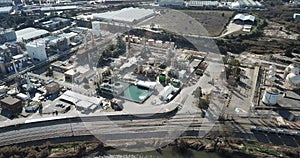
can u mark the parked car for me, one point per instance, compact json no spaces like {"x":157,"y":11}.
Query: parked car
{"x":31,"y":109}
{"x":60,"y":105}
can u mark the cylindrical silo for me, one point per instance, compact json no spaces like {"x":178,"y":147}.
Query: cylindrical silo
{"x":270,"y":96}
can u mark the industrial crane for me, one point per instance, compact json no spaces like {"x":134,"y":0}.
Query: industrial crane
{"x":86,"y":40}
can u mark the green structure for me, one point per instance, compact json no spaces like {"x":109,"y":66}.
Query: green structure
{"x":136,"y":94}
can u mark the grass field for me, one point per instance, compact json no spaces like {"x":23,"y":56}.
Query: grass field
{"x":213,"y":21}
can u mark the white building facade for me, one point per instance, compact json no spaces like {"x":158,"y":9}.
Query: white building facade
{"x":36,"y":51}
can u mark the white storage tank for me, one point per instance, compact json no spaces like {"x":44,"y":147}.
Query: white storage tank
{"x":270,"y":96}
{"x":159,"y":43}
{"x":151,"y":42}
{"x":292,"y":77}
{"x":292,"y":68}
{"x":272,"y":78}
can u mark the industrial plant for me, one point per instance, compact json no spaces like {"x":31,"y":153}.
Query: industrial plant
{"x":138,"y":76}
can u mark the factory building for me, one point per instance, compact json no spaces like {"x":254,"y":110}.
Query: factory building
{"x":61,"y":66}
{"x":9,"y":54}
{"x":246,"y":4}
{"x":206,"y":4}
{"x":11,"y":106}
{"x":171,"y":3}
{"x":19,"y":60}
{"x":78,"y":75}
{"x":6,"y":10}
{"x":7,"y":35}
{"x":30,"y":33}
{"x":83,"y":103}
{"x":57,"y":43}
{"x":37,"y":51}
{"x":58,"y":8}
{"x":244,"y":19}
{"x":11,"y":68}
{"x":69,"y":36}
{"x":70,"y":75}
{"x":125,"y":15}
{"x":6,"y":3}
{"x":56,"y":23}
{"x":84,"y":76}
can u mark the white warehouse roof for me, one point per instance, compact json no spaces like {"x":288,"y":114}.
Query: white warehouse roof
{"x":147,"y":84}
{"x":6,"y":10}
{"x":81,"y":97}
{"x":57,"y":8}
{"x":30,"y":33}
{"x":126,"y":14}
{"x":244,"y":17}
{"x":203,"y":3}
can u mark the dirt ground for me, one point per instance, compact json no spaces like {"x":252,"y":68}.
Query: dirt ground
{"x":279,"y":31}
{"x":214,"y":21}
{"x":231,"y":28}
{"x":195,"y":22}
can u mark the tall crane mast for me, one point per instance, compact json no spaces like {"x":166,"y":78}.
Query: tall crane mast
{"x":86,"y":40}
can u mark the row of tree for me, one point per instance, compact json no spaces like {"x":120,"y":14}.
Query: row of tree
{"x":203,"y":103}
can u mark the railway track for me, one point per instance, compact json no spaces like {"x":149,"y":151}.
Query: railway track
{"x":110,"y":128}
{"x":122,"y":127}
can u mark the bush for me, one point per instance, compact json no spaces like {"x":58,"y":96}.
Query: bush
{"x":203,"y":104}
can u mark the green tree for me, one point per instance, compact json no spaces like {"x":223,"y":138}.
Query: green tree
{"x":100,"y":61}
{"x":121,"y":45}
{"x":203,"y":104}
{"x":234,"y":62}
{"x":198,"y":92}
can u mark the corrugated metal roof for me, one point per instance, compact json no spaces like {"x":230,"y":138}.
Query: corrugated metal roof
{"x":84,"y":104}
{"x":203,"y":3}
{"x":29,"y":33}
{"x":68,"y":98}
{"x":44,"y":9}
{"x":5,"y":9}
{"x":243,"y":17}
{"x":83,"y":97}
{"x":126,"y":14}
